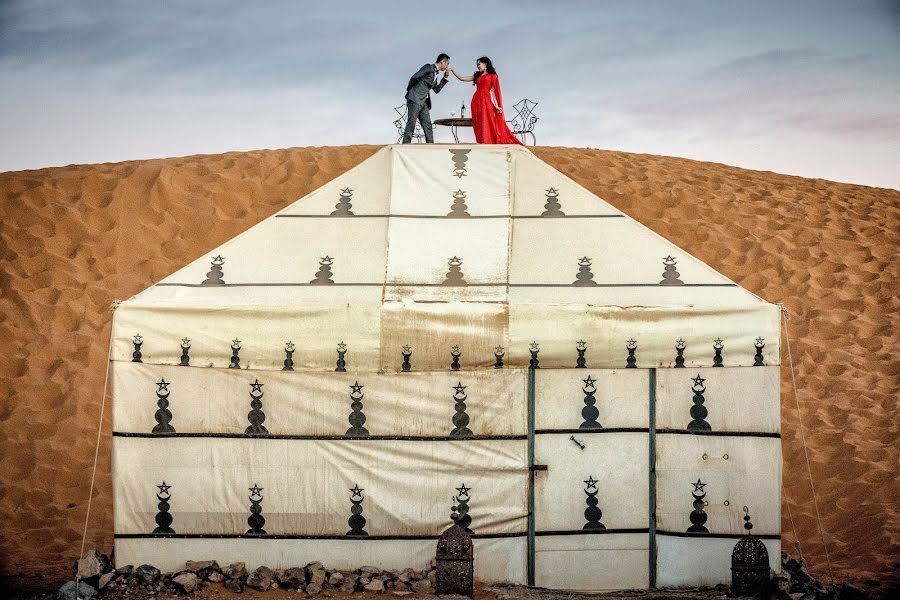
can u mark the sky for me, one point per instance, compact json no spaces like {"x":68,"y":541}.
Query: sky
{"x":804,"y":87}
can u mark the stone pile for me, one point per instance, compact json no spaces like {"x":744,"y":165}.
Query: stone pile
{"x":97,"y":576}
{"x":795,"y":583}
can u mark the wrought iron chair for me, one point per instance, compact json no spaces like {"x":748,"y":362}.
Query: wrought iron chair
{"x":523,"y":123}
{"x":400,"y":124}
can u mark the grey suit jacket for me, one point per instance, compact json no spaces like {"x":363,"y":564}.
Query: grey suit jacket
{"x":420,"y":85}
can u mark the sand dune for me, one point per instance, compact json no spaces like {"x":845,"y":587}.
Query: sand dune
{"x":73,"y":239}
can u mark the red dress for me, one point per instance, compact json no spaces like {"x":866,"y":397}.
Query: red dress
{"x":489,"y":125}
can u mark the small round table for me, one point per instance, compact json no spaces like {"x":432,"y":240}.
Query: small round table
{"x":453,"y":124}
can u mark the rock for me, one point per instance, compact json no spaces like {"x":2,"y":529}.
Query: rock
{"x":198,"y":565}
{"x":147,"y":573}
{"x":235,"y":585}
{"x":421,"y":585}
{"x":105,"y":579}
{"x":370,"y":572}
{"x":235,"y":570}
{"x":295,"y":577}
{"x":91,"y":566}
{"x":336,"y":579}
{"x":186,"y":581}
{"x":313,"y":588}
{"x":67,"y":591}
{"x":215,"y":577}
{"x":349,"y":584}
{"x":848,"y":591}
{"x":126,"y":570}
{"x":402,"y":593}
{"x":376,"y":585}
{"x":260,"y":579}
{"x":401,"y":586}
{"x":274,"y":585}
{"x":361,"y":583}
{"x":315,"y":573}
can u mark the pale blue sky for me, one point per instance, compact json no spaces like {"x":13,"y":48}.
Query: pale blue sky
{"x":810,"y":88}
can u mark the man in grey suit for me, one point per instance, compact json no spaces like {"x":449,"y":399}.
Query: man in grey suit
{"x":418,"y":97}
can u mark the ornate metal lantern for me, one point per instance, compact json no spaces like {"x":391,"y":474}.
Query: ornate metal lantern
{"x":455,"y":561}
{"x":749,"y":563}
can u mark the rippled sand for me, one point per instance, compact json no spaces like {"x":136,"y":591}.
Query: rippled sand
{"x":73,"y":239}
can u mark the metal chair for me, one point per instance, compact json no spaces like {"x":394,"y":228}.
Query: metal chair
{"x":523,"y":123}
{"x":400,"y":124}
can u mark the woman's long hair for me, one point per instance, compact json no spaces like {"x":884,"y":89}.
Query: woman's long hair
{"x":488,"y":68}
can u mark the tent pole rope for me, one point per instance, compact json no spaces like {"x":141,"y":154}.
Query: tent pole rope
{"x":87,"y":515}
{"x":785,"y":317}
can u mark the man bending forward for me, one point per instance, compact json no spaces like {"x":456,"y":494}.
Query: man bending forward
{"x":418,"y":97}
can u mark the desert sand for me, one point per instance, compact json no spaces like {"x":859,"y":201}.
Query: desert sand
{"x":74,"y":239}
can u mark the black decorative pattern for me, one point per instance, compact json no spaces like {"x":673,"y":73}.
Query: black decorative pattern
{"x":459,"y":158}
{"x":458,"y":208}
{"x":235,"y":358}
{"x":498,"y":357}
{"x":717,"y":346}
{"x":341,"y":365}
{"x":461,"y":508}
{"x":679,"y":350}
{"x":454,"y":562}
{"x":357,"y":418}
{"x":552,"y":206}
{"x":256,"y":416}
{"x":323,"y":275}
{"x":670,"y":275}
{"x":357,"y":522}
{"x":592,"y":513}
{"x":215,"y":274}
{"x":460,"y":418}
{"x":185,"y":353}
{"x":698,"y":515}
{"x":406,"y":367}
{"x":584,"y":277}
{"x":163,"y":414}
{"x":454,"y":272}
{"x":590,"y":412}
{"x":455,"y":353}
{"x":580,"y":362}
{"x":535,"y":349}
{"x":631,"y":361}
{"x":256,"y":520}
{"x":758,"y":357}
{"x":288,"y":357}
{"x":343,"y":206}
{"x":698,"y":411}
{"x":163,"y":517}
{"x":137,"y":342}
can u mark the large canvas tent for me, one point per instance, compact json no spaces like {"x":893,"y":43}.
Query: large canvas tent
{"x":449,"y":325}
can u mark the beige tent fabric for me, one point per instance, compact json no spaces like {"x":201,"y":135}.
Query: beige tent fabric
{"x":464,"y":265}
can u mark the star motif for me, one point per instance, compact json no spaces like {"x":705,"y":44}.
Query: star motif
{"x":498,"y":350}
{"x":717,"y":343}
{"x":164,"y":489}
{"x":463,"y":490}
{"x":679,"y":343}
{"x":581,"y":345}
{"x":326,"y":260}
{"x":342,"y":347}
{"x":455,"y":349}
{"x":455,"y":260}
{"x":289,"y":346}
{"x":256,"y":386}
{"x":163,"y":385}
{"x":759,"y":341}
{"x":535,"y":347}
{"x":669,"y":259}
{"x":138,"y":339}
{"x":585,"y":261}
{"x":256,"y":490}
{"x":356,"y":388}
{"x":698,"y":381}
{"x":459,"y":387}
{"x":552,"y":191}
{"x":185,"y":343}
{"x":591,"y":482}
{"x":698,"y":487}
{"x":407,"y":348}
{"x":589,"y":382}
{"x":356,"y":491}
{"x":631,"y":344}
{"x":219,"y":259}
{"x":346,"y":191}
{"x":236,"y":344}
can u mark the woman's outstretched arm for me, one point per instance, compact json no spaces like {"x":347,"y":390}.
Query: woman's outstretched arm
{"x":462,"y":77}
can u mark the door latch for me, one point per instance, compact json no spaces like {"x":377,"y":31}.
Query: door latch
{"x":580,"y":445}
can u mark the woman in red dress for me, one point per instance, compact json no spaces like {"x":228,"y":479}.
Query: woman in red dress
{"x":487,"y":105}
